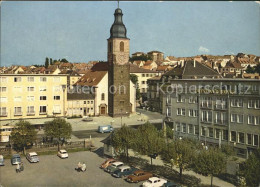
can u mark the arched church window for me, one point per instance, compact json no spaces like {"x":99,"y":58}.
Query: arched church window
{"x":102,"y":96}
{"x":110,"y":47}
{"x":122,"y":46}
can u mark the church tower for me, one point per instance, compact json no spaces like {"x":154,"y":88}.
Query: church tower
{"x":118,"y":68}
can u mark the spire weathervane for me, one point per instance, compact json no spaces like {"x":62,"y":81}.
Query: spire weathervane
{"x":117,"y":4}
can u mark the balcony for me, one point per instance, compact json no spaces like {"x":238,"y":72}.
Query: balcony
{"x":18,"y":114}
{"x":31,"y":113}
{"x":220,"y":107}
{"x":3,"y":114}
{"x":221,"y":122}
{"x":206,"y":106}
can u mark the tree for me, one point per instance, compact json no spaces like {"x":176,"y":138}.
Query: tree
{"x":58,"y":128}
{"x":46,"y":62}
{"x":23,"y":135}
{"x":141,"y":57}
{"x":134,"y":79}
{"x":123,"y":138}
{"x":210,"y":162}
{"x":148,"y":140}
{"x":182,"y":154}
{"x":250,"y":169}
{"x":64,"y":60}
{"x":257,"y":68}
{"x":51,"y":62}
{"x":249,"y":69}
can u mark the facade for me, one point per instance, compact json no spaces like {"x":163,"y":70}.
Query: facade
{"x":80,"y":104}
{"x":32,"y":96}
{"x":198,"y":103}
{"x":118,"y":68}
{"x":156,"y":55}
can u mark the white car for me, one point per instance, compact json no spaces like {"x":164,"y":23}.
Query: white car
{"x":62,"y":153}
{"x":154,"y":182}
{"x":32,"y":157}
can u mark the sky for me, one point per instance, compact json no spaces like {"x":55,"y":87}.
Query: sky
{"x":78,"y":31}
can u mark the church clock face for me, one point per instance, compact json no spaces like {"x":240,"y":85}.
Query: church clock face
{"x":121,"y":59}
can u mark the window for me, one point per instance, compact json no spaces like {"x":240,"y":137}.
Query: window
{"x":3,"y":99}
{"x":17,"y":79}
{"x":253,"y":120}
{"x":143,"y":82}
{"x":203,"y":131}
{"x":193,"y":113}
{"x":206,"y":116}
{"x":143,"y":75}
{"x":122,"y":46}
{"x":17,"y":110}
{"x":122,"y":102}
{"x":241,"y":137}
{"x":196,"y":129}
{"x":43,"y":89}
{"x":256,"y":140}
{"x":30,"y":98}
{"x":181,"y":111}
{"x":147,"y":75}
{"x":210,"y":132}
{"x":43,"y":97}
{"x":240,"y":118}
{"x":17,"y":98}
{"x":43,"y":79}
{"x":236,"y":103}
{"x":143,"y":90}
{"x":193,"y":99}
{"x":190,"y":129}
{"x":183,"y":127}
{"x":85,"y":102}
{"x":233,"y":136}
{"x":30,"y":89}
{"x":56,"y":109}
{"x":257,"y":104}
{"x":225,"y":135}
{"x":221,"y":103}
{"x":30,"y":110}
{"x":102,"y":96}
{"x":3,"y":111}
{"x":3,"y":89}
{"x":169,"y":111}
{"x":3,"y":79}
{"x":178,"y":127}
{"x":30,"y":79}
{"x":43,"y":109}
{"x":249,"y":139}
{"x":206,"y":102}
{"x":56,"y":97}
{"x":56,"y":79}
{"x":168,"y":99}
{"x":180,"y":98}
{"x":220,"y":117}
{"x":251,"y":103}
{"x":91,"y":102}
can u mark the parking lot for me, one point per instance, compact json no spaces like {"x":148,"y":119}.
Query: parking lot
{"x":53,"y":171}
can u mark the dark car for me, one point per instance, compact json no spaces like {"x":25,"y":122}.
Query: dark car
{"x":171,"y":184}
{"x":123,"y":171}
{"x":139,"y":175}
{"x":16,"y":159}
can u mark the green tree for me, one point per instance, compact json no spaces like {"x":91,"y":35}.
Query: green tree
{"x":64,"y":60}
{"x":58,"y":128}
{"x":46,"y":62}
{"x":23,"y":135}
{"x":148,"y":140}
{"x":250,"y":169}
{"x":257,"y":68}
{"x":210,"y":162}
{"x":141,"y":57}
{"x":122,"y":139}
{"x":134,"y":79}
{"x":250,"y":69}
{"x":51,"y":62}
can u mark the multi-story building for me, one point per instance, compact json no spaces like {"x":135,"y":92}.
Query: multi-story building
{"x":32,"y":96}
{"x":156,"y":55}
{"x":211,"y":109}
{"x":81,"y":104}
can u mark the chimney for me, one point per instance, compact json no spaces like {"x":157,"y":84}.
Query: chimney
{"x":194,"y":63}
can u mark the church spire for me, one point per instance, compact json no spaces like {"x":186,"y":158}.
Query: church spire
{"x":118,"y":29}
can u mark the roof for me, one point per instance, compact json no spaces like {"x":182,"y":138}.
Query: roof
{"x":124,"y":167}
{"x":33,"y":154}
{"x":138,"y":53}
{"x":117,"y":163}
{"x":94,"y":75}
{"x":136,"y":69}
{"x":162,"y":68}
{"x":70,"y":72}
{"x":155,"y":52}
{"x":80,"y":96}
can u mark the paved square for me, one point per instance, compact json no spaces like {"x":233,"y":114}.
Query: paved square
{"x":53,"y":171}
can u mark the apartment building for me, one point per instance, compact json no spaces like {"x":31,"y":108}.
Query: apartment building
{"x":209,"y":108}
{"x":25,"y":96}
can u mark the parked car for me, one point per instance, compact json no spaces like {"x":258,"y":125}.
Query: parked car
{"x":87,"y":118}
{"x":139,"y":175}
{"x":2,"y":160}
{"x":62,"y":153}
{"x":32,"y":157}
{"x":123,"y":171}
{"x":105,"y":128}
{"x":154,"y":182}
{"x":107,"y":163}
{"x":170,"y":184}
{"x":16,"y":159}
{"x":113,"y":167}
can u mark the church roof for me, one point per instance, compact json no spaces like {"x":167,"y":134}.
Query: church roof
{"x":118,"y":29}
